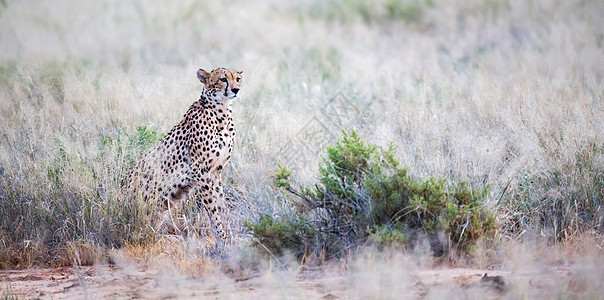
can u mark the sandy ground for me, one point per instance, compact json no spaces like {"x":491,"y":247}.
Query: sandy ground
{"x":111,"y":282}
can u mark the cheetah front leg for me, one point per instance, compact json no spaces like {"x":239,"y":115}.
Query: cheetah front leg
{"x":212,"y":196}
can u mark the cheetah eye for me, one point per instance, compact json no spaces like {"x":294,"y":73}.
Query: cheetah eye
{"x":223,"y":79}
{"x":238,"y":78}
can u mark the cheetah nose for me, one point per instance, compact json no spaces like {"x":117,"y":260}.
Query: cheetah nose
{"x":235,"y":90}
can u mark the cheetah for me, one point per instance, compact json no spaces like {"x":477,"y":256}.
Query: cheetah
{"x":191,"y":157}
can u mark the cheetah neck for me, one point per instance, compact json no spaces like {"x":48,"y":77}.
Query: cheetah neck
{"x":220,"y":108}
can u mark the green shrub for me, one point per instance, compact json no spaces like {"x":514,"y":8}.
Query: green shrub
{"x":282,"y":177}
{"x":365,"y":194}
{"x":292,"y":234}
{"x":387,"y":237}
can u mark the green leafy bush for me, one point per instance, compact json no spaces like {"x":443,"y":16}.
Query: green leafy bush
{"x":364,"y":194}
{"x":293,"y":235}
{"x":387,"y":237}
{"x":281,"y":177}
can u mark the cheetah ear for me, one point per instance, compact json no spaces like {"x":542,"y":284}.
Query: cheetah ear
{"x":240,"y":72}
{"x":203,"y":76}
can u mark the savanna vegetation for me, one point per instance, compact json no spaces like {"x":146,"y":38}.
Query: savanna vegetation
{"x":475,"y":123}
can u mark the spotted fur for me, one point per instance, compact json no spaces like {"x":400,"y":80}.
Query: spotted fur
{"x":192,"y":155}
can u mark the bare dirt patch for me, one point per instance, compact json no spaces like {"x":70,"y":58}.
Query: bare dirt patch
{"x":106,"y":281}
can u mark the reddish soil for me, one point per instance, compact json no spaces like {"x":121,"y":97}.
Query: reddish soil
{"x":104,"y":281}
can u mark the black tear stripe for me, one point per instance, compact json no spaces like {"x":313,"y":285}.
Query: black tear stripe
{"x":227,"y":87}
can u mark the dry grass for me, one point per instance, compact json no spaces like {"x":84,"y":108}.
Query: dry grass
{"x":170,"y":254}
{"x":501,"y":94}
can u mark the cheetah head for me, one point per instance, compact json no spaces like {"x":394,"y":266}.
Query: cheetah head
{"x":221,"y":83}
